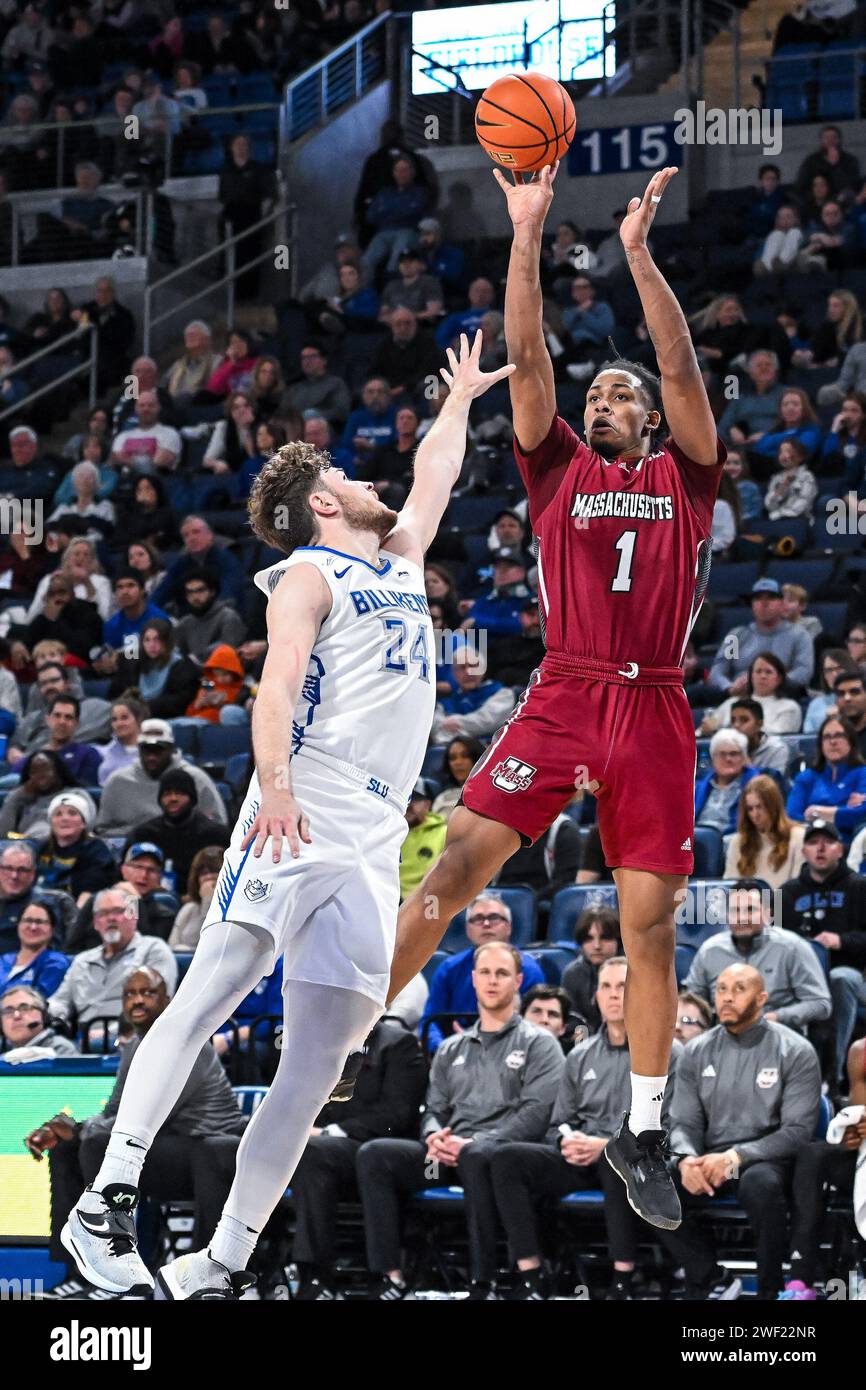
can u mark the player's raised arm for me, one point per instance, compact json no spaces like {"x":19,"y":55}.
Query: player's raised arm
{"x":298,"y":607}
{"x":684,"y":395}
{"x":441,"y":451}
{"x":533,"y":394}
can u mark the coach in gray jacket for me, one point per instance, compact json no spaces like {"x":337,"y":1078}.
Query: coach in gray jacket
{"x":495,"y":1082}
{"x":797,"y":988}
{"x":746,"y":1100}
{"x":593,"y":1095}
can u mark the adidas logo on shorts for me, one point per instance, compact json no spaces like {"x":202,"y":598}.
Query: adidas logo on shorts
{"x":687,"y":843}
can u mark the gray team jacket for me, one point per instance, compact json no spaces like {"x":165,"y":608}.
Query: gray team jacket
{"x":500,"y":1086}
{"x":758,"y":1093}
{"x":595,"y":1089}
{"x":796,"y":984}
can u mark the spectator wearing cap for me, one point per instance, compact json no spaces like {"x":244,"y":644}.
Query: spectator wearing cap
{"x":413,"y":289}
{"x":445,"y":261}
{"x":373,"y":424}
{"x":200,"y":549}
{"x":408,"y":354}
{"x":508,"y":530}
{"x":133,"y":792}
{"x":134,"y":609}
{"x":93,"y":984}
{"x":25,"y":1023}
{"x":318,"y":389}
{"x":834,"y":788}
{"x":28,"y":475}
{"x":73,"y":859}
{"x":148,"y":873}
{"x":425,"y":840}
{"x":477,"y":707}
{"x":498,"y":613}
{"x":849,"y":692}
{"x":209,"y":621}
{"x":488,"y":918}
{"x":768,"y":632}
{"x":796,"y":985}
{"x":180,"y":830}
{"x":35,"y":963}
{"x":826,"y":903}
{"x":717,"y":793}
{"x":513,"y":658}
{"x":481,"y":297}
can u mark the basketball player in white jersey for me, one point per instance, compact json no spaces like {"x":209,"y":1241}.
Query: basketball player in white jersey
{"x":340,"y":727}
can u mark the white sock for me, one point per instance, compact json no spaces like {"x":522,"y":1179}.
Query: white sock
{"x":233,"y":1244}
{"x":124,"y":1158}
{"x":647,"y":1094}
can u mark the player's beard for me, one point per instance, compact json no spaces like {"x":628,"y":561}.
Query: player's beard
{"x":370,"y":515}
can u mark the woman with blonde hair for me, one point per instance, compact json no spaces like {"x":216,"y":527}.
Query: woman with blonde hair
{"x":841,"y":328}
{"x":82,"y":569}
{"x":767,"y":844}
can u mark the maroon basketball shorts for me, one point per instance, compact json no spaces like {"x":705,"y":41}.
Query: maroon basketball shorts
{"x":581,"y":721}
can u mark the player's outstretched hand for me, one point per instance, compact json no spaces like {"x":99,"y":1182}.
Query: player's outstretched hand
{"x":466,"y":378}
{"x":280,"y":818}
{"x":528,"y":202}
{"x":640,"y":212}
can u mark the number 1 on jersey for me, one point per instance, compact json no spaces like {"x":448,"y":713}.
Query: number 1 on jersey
{"x":622,"y":579}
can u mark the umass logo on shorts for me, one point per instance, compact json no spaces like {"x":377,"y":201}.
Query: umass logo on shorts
{"x":513,"y":775}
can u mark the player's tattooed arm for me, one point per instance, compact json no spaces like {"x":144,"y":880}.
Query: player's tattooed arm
{"x":686,"y":405}
{"x":441,"y":452}
{"x":296,"y":611}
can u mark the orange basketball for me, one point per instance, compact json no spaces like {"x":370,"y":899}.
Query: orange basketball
{"x":525,"y":120}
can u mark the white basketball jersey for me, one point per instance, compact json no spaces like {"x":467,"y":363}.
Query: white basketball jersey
{"x":370,"y":689}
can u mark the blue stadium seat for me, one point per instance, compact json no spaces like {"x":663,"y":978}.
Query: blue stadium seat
{"x":219,"y":742}
{"x":96,"y":689}
{"x":734,"y":580}
{"x":569,"y":903}
{"x":434,"y":762}
{"x":703,"y":750}
{"x":186,"y":738}
{"x":249,"y":1098}
{"x":827,"y":534}
{"x":703,"y":911}
{"x":814,"y":575}
{"x":797,"y":527}
{"x":553,"y":960}
{"x":709,"y":853}
{"x":523,"y":919}
{"x":434,"y":963}
{"x":833,"y":619}
{"x":683,"y":957}
{"x":471,"y":513}
{"x":801,"y":749}
{"x":236,"y":771}
{"x":589,"y":1200}
{"x":184,"y":961}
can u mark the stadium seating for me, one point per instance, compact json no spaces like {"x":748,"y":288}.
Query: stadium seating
{"x":569,"y":903}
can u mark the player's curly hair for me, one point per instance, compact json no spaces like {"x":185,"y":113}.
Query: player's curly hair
{"x":278,"y":505}
{"x":652,"y":389}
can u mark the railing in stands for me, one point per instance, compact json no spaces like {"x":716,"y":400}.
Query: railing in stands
{"x":343,"y":76}
{"x":39,"y":237}
{"x":196,"y":144}
{"x":88,"y":364}
{"x":827,"y":84}
{"x":225,"y":254}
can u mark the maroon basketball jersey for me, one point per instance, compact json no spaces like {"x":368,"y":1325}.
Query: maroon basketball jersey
{"x":624,"y":547}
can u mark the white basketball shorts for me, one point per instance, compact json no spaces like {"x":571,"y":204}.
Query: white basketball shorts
{"x":332,"y":912}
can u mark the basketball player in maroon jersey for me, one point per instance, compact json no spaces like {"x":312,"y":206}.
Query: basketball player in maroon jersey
{"x":623,"y":524}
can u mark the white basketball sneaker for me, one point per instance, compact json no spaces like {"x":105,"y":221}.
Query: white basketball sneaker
{"x":198,"y":1276}
{"x":100,"y":1236}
